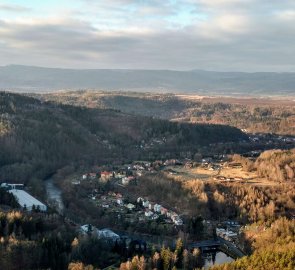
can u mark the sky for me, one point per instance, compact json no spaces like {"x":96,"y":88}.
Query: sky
{"x":221,"y":35}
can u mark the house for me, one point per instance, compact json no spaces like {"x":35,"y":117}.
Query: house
{"x":120,"y":201}
{"x":76,"y":182}
{"x":130,"y":206}
{"x":125,"y":181}
{"x":105,"y":175}
{"x":157,"y":208}
{"x":145,"y":204}
{"x":92,"y":175}
{"x":84,"y":176}
{"x":164,"y":211}
{"x":151,"y":206}
{"x":120,"y":174}
{"x":138,"y":173}
{"x":148,"y":213}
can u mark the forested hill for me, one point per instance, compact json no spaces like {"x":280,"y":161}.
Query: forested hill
{"x":37,"y":138}
{"x":255,"y":115}
{"x":25,"y":78}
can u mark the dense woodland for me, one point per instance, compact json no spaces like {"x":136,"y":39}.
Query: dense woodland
{"x":39,"y":138}
{"x":274,"y":248}
{"x":274,"y":165}
{"x":255,"y":115}
{"x":216,"y":201}
{"x":39,"y":241}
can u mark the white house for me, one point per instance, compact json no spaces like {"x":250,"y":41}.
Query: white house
{"x":120,"y":201}
{"x":125,"y":181}
{"x":148,"y":213}
{"x":157,"y":208}
{"x":145,"y":204}
{"x":130,"y":206}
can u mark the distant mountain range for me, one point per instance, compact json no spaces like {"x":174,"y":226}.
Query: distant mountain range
{"x":39,"y":79}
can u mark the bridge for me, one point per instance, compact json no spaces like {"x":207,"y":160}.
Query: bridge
{"x":218,"y":244}
{"x":207,"y":244}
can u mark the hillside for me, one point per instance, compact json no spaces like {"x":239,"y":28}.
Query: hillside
{"x":255,"y":115}
{"x":37,"y":138}
{"x":277,"y":165}
{"x":26,"y":78}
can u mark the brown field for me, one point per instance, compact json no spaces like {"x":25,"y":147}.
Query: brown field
{"x":199,"y":173}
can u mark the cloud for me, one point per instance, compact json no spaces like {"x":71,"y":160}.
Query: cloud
{"x":13,"y":8}
{"x":242,"y":35}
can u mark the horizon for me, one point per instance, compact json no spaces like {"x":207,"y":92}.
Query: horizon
{"x":216,"y":35}
{"x":139,"y":69}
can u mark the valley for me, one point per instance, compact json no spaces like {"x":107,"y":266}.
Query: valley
{"x":254,"y":115}
{"x":137,"y":167}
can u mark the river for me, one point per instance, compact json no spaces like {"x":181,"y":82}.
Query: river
{"x":215,"y":258}
{"x":54,"y":195}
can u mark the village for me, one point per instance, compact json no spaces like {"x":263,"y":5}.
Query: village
{"x":134,"y":209}
{"x":141,"y":209}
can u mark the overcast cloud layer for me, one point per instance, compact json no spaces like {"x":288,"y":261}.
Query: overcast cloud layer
{"x":223,"y":35}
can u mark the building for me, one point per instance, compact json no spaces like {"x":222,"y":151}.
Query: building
{"x":120,"y":201}
{"x":164,"y":211}
{"x":105,"y":175}
{"x":108,"y":235}
{"x":145,"y":204}
{"x":157,"y":208}
{"x":130,"y":206}
{"x":148,"y":213}
{"x":125,"y":181}
{"x":12,"y":186}
{"x":27,"y":201}
{"x":92,"y":175}
{"x":87,"y":229}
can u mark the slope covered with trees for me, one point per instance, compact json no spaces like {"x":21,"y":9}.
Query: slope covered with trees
{"x":255,"y":115}
{"x":38,"y":138}
{"x":277,"y":165}
{"x":274,"y":248}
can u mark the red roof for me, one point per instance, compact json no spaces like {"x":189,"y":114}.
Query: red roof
{"x":105,"y":173}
